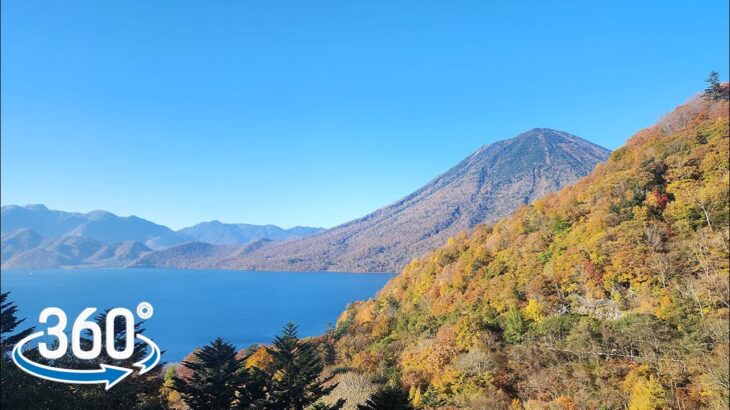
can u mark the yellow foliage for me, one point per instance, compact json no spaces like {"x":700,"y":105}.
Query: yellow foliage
{"x":260,"y":359}
{"x":365,"y":314}
{"x":467,"y":332}
{"x":640,"y":242}
{"x":646,"y":393}
{"x":533,"y":311}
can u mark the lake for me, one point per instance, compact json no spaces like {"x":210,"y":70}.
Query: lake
{"x":193,"y":307}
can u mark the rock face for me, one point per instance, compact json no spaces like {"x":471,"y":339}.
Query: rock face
{"x":489,"y":184}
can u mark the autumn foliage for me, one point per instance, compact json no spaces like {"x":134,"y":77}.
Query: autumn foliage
{"x":612,"y":293}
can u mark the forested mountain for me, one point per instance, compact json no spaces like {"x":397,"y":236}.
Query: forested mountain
{"x":491,"y":183}
{"x":611,"y":293}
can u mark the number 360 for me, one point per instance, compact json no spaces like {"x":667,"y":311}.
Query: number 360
{"x":82,"y":323}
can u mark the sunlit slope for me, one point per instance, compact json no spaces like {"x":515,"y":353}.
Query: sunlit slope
{"x":612,"y":292}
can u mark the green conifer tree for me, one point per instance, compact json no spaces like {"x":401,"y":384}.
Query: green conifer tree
{"x":295,"y":381}
{"x":387,"y":398}
{"x":514,"y":326}
{"x":715,"y":91}
{"x":216,"y":377}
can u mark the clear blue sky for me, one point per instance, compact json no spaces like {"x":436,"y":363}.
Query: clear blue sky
{"x":314,"y":113}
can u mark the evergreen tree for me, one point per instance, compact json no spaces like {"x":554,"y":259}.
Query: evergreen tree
{"x":10,"y":377}
{"x":19,"y":390}
{"x":135,"y":391}
{"x":295,"y":374}
{"x":8,"y":323}
{"x":251,"y":393}
{"x":514,"y":326}
{"x":216,"y":377}
{"x":387,"y":398}
{"x":715,"y":91}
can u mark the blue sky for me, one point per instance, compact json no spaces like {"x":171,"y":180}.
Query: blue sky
{"x":314,"y":113}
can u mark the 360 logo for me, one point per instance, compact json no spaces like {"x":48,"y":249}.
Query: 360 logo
{"x":107,"y":374}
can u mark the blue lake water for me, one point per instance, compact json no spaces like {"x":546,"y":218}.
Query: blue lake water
{"x":193,"y":307}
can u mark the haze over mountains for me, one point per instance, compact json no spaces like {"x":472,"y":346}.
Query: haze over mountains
{"x":34,"y":236}
{"x":491,"y":183}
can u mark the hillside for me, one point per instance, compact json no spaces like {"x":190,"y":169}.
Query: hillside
{"x":191,"y":255}
{"x":612,"y":293}
{"x":491,"y":183}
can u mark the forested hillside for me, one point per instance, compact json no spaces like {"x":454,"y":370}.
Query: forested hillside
{"x":612,"y":293}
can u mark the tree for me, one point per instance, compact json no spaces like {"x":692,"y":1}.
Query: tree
{"x":216,"y":378}
{"x":10,"y":377}
{"x":387,"y":398}
{"x":715,"y":91}
{"x":295,"y":373}
{"x":8,"y":323}
{"x":20,"y":390}
{"x":514,"y":326}
{"x":135,"y":391}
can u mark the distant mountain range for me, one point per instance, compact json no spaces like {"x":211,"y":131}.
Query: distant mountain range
{"x":98,"y":225}
{"x":218,"y":233}
{"x":34,"y":236}
{"x":492,"y":182}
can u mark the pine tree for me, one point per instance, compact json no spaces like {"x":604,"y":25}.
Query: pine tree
{"x":19,"y":390}
{"x":295,"y":374}
{"x":715,"y":91}
{"x":387,"y":398}
{"x":135,"y":391}
{"x":216,"y":377}
{"x":514,"y":326}
{"x":10,"y":378}
{"x":8,"y":323}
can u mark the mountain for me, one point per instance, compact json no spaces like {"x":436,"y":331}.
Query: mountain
{"x":99,"y":225}
{"x":611,"y":293}
{"x":218,"y":233}
{"x":25,"y":248}
{"x":34,"y":236}
{"x":190,"y":255}
{"x":18,"y":241}
{"x":490,"y":183}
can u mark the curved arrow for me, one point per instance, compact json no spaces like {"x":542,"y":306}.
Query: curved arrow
{"x":107,"y":374}
{"x":152,"y":359}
